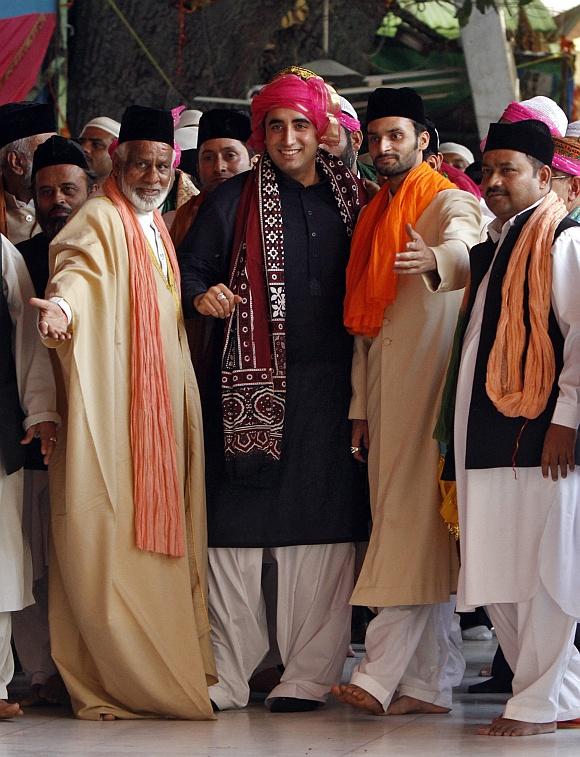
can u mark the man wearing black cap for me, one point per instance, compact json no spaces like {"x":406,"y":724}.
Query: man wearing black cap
{"x":222,"y":153}
{"x":127,"y":487}
{"x":408,"y":265}
{"x":23,"y":126}
{"x":61,"y":183}
{"x":517,"y":413}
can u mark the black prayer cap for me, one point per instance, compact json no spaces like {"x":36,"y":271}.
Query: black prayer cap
{"x":24,"y":119}
{"x":531,"y":137}
{"x":149,"y":124}
{"x":221,"y":123}
{"x":403,"y":102}
{"x":58,"y":151}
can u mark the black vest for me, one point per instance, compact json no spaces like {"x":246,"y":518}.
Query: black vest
{"x":11,"y":416}
{"x":494,"y":440}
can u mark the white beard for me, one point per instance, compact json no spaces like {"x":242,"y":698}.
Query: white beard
{"x":142,"y":204}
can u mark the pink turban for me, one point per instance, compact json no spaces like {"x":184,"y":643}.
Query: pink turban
{"x":567,"y":155}
{"x":541,"y":109}
{"x":304,"y":92}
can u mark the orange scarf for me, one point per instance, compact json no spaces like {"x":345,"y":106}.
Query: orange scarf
{"x":156,"y":488}
{"x":371,"y":282}
{"x":521,"y":367}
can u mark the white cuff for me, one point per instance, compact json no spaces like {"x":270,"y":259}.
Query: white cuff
{"x":64,"y":306}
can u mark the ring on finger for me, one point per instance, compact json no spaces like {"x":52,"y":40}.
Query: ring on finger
{"x":354,"y":450}
{"x":221,"y":296}
{"x":52,"y":439}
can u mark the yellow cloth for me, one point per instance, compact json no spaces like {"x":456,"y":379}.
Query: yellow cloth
{"x":129,"y":628}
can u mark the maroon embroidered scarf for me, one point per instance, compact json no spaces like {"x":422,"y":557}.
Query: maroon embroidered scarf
{"x":254,"y":355}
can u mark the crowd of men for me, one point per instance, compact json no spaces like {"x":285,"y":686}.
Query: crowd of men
{"x":224,"y":339}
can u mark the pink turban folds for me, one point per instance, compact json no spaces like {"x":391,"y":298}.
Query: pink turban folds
{"x":304,"y":92}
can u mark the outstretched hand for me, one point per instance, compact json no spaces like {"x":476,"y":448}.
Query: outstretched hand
{"x":419,"y":258}
{"x":52,"y":321}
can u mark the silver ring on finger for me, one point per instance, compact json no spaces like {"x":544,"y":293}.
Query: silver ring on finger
{"x":221,"y":296}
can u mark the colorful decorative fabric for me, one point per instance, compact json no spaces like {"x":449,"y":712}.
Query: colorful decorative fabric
{"x":254,"y":356}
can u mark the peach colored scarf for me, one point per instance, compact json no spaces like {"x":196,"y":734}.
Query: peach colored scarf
{"x":371,"y":282}
{"x":521,"y":367}
{"x":156,"y":489}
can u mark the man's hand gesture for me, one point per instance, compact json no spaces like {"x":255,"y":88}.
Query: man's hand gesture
{"x":418,"y":259}
{"x":52,"y":321}
{"x":558,"y":451}
{"x":46,"y":432}
{"x":218,"y":301}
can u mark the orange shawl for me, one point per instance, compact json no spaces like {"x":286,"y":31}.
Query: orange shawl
{"x":371,"y":282}
{"x":156,"y":488}
{"x":521,"y":367}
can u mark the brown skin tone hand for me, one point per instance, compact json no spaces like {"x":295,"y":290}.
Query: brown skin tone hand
{"x":360,"y":437}
{"x":209,"y":304}
{"x":46,"y":431}
{"x":558,"y":451}
{"x":52,"y":321}
{"x":418,"y":258}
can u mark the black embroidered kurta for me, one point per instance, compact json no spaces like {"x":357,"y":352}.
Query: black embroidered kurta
{"x":315,"y":494}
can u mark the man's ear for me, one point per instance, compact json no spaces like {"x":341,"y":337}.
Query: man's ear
{"x":15,"y":163}
{"x":574,"y":189}
{"x":545,"y":176}
{"x":356,"y":137}
{"x":423,"y":140}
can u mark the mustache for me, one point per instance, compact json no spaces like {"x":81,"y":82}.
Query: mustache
{"x":60,"y":209}
{"x":496,"y":192}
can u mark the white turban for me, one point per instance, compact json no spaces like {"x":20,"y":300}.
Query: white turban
{"x":105,"y":123}
{"x":459,"y":149}
{"x":545,"y":108}
{"x":187,"y":129}
{"x":573,"y":130}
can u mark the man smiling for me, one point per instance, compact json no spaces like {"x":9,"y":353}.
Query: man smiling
{"x":267,"y":255}
{"x":128,"y":508}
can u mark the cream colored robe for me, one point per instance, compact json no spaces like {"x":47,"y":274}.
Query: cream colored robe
{"x":397,"y":380}
{"x":130,"y":631}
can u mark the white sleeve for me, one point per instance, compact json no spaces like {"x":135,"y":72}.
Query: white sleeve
{"x":34,"y":374}
{"x":566,"y":305}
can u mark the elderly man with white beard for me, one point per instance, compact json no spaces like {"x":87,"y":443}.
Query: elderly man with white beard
{"x":129,"y":627}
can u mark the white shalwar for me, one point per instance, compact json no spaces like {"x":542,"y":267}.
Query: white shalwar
{"x":313,"y":619}
{"x":408,"y":653}
{"x":520,"y":533}
{"x":38,"y":401}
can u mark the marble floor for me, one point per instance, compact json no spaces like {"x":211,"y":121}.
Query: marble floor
{"x":333,"y":730}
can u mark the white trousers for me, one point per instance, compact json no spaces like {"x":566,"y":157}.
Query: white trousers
{"x":30,"y":625}
{"x":6,"y":659}
{"x":313,"y":619}
{"x":537,"y":640}
{"x":408,"y":652}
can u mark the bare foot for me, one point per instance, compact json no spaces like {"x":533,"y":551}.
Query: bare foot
{"x":107,"y":716}
{"x":9,"y":710}
{"x":410,"y":706}
{"x":357,"y":697}
{"x":507,"y":727}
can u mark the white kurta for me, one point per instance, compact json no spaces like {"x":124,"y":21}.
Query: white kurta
{"x":519,"y":530}
{"x":38,"y":401}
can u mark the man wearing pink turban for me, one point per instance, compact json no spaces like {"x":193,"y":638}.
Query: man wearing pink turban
{"x":266,"y":260}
